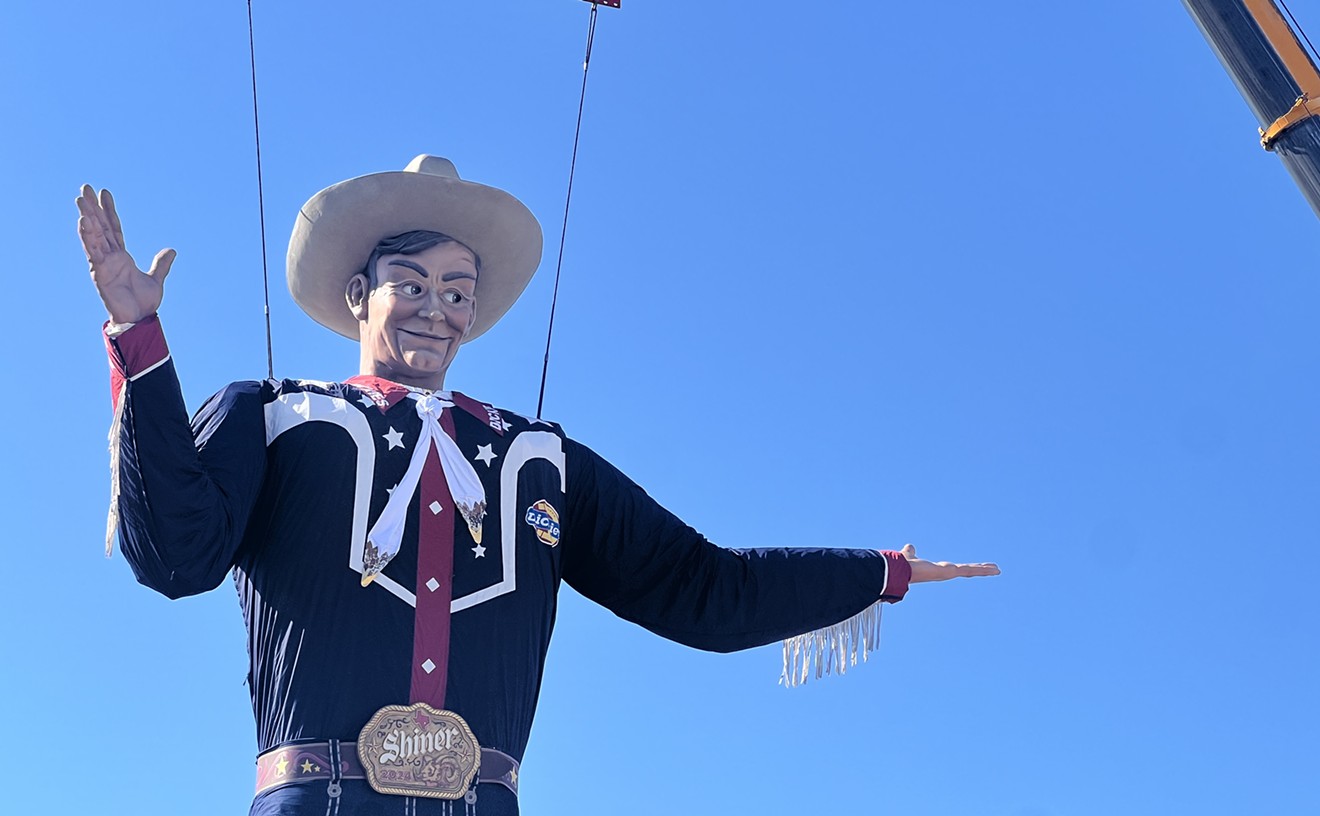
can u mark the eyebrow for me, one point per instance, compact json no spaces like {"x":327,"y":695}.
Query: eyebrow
{"x":414,"y":267}
{"x":448,"y":276}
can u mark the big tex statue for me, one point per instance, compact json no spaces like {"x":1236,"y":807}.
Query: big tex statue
{"x":397,"y":547}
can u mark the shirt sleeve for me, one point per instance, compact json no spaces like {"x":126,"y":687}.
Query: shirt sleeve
{"x":627,"y":553}
{"x":182,"y":493}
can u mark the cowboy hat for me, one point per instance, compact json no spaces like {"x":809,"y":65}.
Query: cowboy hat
{"x":337,"y":229}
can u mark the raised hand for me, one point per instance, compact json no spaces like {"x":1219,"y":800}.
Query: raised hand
{"x":129,"y":294}
{"x":923,"y":571}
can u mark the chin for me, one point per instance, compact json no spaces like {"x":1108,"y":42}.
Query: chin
{"x":422,"y":365}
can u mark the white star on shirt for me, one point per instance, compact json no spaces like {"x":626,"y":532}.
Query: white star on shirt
{"x":480,"y":551}
{"x":394,"y":438}
{"x":367,"y":401}
{"x":485,"y":454}
{"x":506,"y":425}
{"x":389,"y":491}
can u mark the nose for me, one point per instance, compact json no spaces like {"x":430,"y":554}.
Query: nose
{"x":432,"y":309}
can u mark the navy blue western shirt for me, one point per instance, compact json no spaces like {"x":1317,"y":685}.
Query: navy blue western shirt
{"x":277,"y":483}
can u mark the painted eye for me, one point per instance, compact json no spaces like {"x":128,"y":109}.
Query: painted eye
{"x":411,"y":289}
{"x":453,"y":298}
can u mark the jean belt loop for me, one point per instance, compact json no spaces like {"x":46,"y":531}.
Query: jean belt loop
{"x":336,"y":768}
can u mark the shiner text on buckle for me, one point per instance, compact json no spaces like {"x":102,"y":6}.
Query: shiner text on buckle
{"x":417,"y":750}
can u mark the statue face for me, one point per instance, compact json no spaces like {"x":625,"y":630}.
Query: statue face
{"x":421,"y":308}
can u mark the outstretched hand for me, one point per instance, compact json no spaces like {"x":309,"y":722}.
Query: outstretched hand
{"x":129,"y":294}
{"x":923,"y":571}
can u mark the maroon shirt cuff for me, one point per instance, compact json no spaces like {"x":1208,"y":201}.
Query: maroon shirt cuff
{"x":898,"y":575}
{"x":134,"y":352}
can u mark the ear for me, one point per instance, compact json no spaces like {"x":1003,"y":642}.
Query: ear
{"x":357,"y":293}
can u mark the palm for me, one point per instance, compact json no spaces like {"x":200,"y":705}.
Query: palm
{"x":129,"y":294}
{"x":924,"y":571}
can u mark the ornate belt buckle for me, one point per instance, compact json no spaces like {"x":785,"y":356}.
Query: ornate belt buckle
{"x":417,"y":750}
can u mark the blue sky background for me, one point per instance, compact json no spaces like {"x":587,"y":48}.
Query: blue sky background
{"x":1012,"y":282}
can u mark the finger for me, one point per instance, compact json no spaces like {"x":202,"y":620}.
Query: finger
{"x":86,"y":202}
{"x":104,"y":217}
{"x":86,"y":194}
{"x":95,"y":246}
{"x":160,"y":265}
{"x":91,"y":243}
{"x":91,"y":208}
{"x":116,"y":228}
{"x":976,"y":570}
{"x":95,"y":230}
{"x":909,"y":552}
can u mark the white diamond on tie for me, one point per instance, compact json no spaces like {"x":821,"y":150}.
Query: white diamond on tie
{"x":433,"y":585}
{"x":465,"y":488}
{"x":428,"y":665}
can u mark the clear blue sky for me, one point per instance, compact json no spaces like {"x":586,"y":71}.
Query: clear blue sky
{"x":1013,"y":282}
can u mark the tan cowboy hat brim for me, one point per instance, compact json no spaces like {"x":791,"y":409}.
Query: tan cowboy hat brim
{"x":338,"y":228}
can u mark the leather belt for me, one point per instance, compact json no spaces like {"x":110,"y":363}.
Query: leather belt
{"x":310,"y":761}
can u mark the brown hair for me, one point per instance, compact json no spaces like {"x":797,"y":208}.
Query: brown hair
{"x":411,"y":243}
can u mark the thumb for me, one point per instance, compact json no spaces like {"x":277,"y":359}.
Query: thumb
{"x":909,"y":552}
{"x":160,"y":265}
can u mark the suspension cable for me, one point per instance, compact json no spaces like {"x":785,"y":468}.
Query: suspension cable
{"x":261,"y":198}
{"x":1298,"y":26}
{"x":563,"y":232}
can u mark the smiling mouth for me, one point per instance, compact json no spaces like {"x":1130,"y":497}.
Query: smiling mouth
{"x":424,"y":335}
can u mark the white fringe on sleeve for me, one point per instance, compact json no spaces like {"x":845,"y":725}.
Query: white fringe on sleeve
{"x":832,"y":649}
{"x":112,"y":518}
